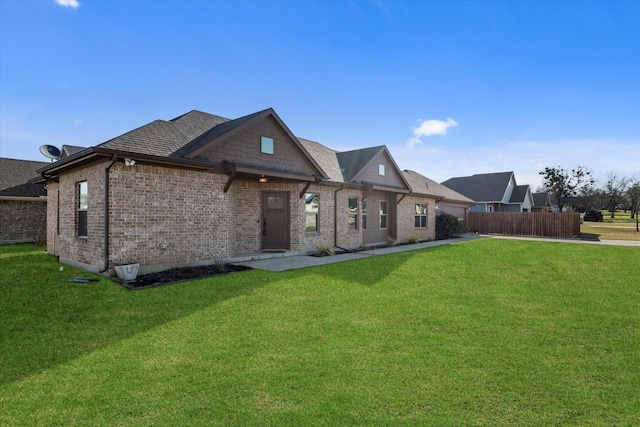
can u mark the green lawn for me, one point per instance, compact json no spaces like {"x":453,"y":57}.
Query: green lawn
{"x":487,"y":332}
{"x":622,"y":227}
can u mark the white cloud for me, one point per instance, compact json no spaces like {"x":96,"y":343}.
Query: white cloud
{"x":74,"y":4}
{"x":428,"y":128}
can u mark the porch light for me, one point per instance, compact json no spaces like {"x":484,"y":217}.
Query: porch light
{"x":262,"y":179}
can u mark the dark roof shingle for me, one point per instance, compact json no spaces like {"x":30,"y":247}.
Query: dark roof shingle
{"x":15,"y":176}
{"x":488,"y":187}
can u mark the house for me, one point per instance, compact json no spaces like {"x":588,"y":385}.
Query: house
{"x":201,"y":187}
{"x":493,"y":192}
{"x":23,"y":204}
{"x":447,"y":200}
{"x":541,"y":202}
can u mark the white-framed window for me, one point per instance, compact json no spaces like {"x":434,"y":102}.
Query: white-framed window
{"x":266,"y":145}
{"x":352,"y":213}
{"x":421,"y":215}
{"x":311,"y":212}
{"x":384,"y":213}
{"x":364,"y":214}
{"x":380,"y":169}
{"x":83,"y":208}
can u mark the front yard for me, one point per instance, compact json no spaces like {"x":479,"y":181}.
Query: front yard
{"x":486,"y":332}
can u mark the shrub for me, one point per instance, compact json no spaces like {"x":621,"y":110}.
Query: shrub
{"x":220,"y":265}
{"x":449,"y":226}
{"x":413,"y":240}
{"x":391,"y":241}
{"x":324,"y":249}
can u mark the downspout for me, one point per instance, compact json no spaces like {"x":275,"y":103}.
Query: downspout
{"x":106,"y":212}
{"x":335,"y":215}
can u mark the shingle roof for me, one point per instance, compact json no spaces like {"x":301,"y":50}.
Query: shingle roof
{"x":422,"y":185}
{"x":518,"y":194}
{"x":212,"y":133}
{"x":489,"y":187}
{"x":15,"y":176}
{"x":163,"y":138}
{"x":540,"y":199}
{"x":352,"y":162}
{"x":69,"y":150}
{"x":326,"y":158}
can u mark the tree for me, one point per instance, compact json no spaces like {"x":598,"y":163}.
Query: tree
{"x":614,"y":189}
{"x":562,"y":184}
{"x":633,"y":198}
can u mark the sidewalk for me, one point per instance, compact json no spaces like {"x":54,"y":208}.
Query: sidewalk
{"x":302,"y":261}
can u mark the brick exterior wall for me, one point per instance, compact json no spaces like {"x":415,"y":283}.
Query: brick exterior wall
{"x":166,"y":217}
{"x":62,"y":215}
{"x":406,"y":219}
{"x":162,"y":217}
{"x":348,"y":238}
{"x":22,"y":221}
{"x":53,"y":236}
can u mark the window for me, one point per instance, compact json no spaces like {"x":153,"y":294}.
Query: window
{"x":275,"y":202}
{"x":266,"y":145}
{"x":383,"y":214}
{"x":311,"y":211}
{"x":83,"y":206}
{"x":381,"y":169}
{"x":353,"y":213}
{"x":421,"y":215}
{"x":364,"y":214}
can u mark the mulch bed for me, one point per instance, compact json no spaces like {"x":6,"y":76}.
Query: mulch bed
{"x":176,"y":275}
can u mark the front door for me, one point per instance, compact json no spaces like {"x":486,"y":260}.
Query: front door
{"x":275,"y":220}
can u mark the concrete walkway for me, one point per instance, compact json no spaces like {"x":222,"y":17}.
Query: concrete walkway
{"x":284,"y":263}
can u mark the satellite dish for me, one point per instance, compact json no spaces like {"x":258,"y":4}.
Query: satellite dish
{"x":50,"y":151}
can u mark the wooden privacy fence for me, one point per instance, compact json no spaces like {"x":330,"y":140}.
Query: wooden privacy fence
{"x":546,"y":224}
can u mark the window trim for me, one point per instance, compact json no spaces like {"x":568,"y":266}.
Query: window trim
{"x":351,"y":214}
{"x":384,"y":215}
{"x":418,"y":218}
{"x":82,"y":212}
{"x":267,"y":145}
{"x":316,"y":214}
{"x":381,"y":169}
{"x":364,"y":214}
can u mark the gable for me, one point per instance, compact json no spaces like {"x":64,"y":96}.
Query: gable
{"x":241,"y":145}
{"x":370,"y":172}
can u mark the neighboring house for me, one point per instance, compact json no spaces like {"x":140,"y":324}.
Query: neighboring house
{"x":23,"y":205}
{"x":201,"y":187}
{"x":493,"y":192}
{"x":541,"y":202}
{"x":448,"y":201}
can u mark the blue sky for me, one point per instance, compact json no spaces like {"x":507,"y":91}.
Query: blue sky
{"x":452,"y":88}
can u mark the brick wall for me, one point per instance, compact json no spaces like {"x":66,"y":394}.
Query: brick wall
{"x":22,"y":221}
{"x":165,"y":216}
{"x":63,"y":203}
{"x":348,"y":238}
{"x":406,"y":219}
{"x":162,"y":217}
{"x":52,"y":218}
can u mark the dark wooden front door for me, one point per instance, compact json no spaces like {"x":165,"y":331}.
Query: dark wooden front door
{"x":275,"y":220}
